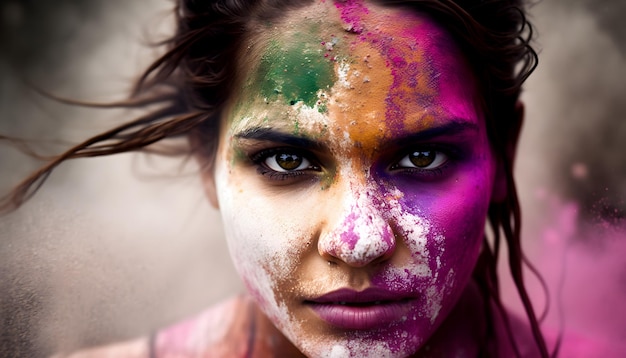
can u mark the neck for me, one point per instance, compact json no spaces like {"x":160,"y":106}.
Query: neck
{"x":464,"y":332}
{"x":266,"y":340}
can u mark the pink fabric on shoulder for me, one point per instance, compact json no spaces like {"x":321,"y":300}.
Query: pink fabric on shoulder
{"x":223,"y":330}
{"x":137,"y":348}
{"x":576,"y":345}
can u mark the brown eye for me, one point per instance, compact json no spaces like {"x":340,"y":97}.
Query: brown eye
{"x":288,"y":161}
{"x":423,"y":159}
{"x":283,"y":162}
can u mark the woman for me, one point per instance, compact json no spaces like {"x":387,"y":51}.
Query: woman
{"x":355,"y":150}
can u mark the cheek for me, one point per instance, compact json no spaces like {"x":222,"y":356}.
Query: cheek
{"x":442,"y":230}
{"x":258,"y":236}
{"x":459,"y":216}
{"x":265,"y":239}
{"x":456,"y":207}
{"x":461,"y":211}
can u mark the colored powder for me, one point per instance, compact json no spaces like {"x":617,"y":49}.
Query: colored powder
{"x":239,"y":156}
{"x":352,"y":11}
{"x":328,"y":179}
{"x":294,"y":73}
{"x":362,"y":102}
{"x":412,"y":82}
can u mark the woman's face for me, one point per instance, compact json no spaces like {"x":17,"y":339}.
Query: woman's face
{"x":354,"y":175}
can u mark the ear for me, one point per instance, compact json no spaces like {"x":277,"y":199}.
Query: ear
{"x":500,"y":186}
{"x":206,"y":163}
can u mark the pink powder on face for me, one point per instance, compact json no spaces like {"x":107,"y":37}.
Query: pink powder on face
{"x":414,"y":78}
{"x":352,"y":11}
{"x":418,"y":82}
{"x":426,"y":232}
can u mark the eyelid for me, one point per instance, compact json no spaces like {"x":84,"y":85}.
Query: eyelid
{"x":259,"y":156}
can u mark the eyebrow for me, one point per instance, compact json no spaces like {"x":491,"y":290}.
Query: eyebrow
{"x":272,"y":135}
{"x":452,"y":128}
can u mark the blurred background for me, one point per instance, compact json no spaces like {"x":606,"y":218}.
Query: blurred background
{"x":113,"y":248}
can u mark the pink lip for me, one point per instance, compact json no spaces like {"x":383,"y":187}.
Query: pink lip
{"x":361,"y":310}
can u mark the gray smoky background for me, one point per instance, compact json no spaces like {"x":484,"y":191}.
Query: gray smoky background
{"x":113,"y":248}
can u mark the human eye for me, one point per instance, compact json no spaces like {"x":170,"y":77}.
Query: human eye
{"x":426,"y":161}
{"x":284,"y":163}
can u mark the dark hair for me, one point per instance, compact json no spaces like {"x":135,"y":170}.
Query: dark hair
{"x":191,"y":83}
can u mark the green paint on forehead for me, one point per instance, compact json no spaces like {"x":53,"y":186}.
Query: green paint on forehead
{"x":294,"y":72}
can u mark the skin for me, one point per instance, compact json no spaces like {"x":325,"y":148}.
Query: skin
{"x":342,"y":96}
{"x":338,"y":90}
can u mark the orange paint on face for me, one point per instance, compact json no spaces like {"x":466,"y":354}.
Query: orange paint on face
{"x":386,"y":85}
{"x":357,"y":105}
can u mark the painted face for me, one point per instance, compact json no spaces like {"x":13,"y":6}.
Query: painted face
{"x":354,"y":175}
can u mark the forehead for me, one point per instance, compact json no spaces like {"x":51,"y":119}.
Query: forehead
{"x":390,"y":68}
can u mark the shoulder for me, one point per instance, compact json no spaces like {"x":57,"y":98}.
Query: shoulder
{"x":571,"y":345}
{"x":137,"y":348}
{"x":218,"y":330}
{"x":519,"y":341}
{"x":575,"y":345}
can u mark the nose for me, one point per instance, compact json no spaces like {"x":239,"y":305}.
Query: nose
{"x":361,"y":236}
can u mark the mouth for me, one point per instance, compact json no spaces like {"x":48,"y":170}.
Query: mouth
{"x":362,"y":310}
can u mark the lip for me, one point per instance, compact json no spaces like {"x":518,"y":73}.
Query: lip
{"x":361,"y":310}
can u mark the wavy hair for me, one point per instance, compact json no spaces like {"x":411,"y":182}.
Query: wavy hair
{"x":190,"y":84}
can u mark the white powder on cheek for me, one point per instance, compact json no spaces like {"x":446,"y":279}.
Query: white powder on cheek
{"x":433,"y":303}
{"x":415,"y":231}
{"x":260,"y":233}
{"x":263,"y":251}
